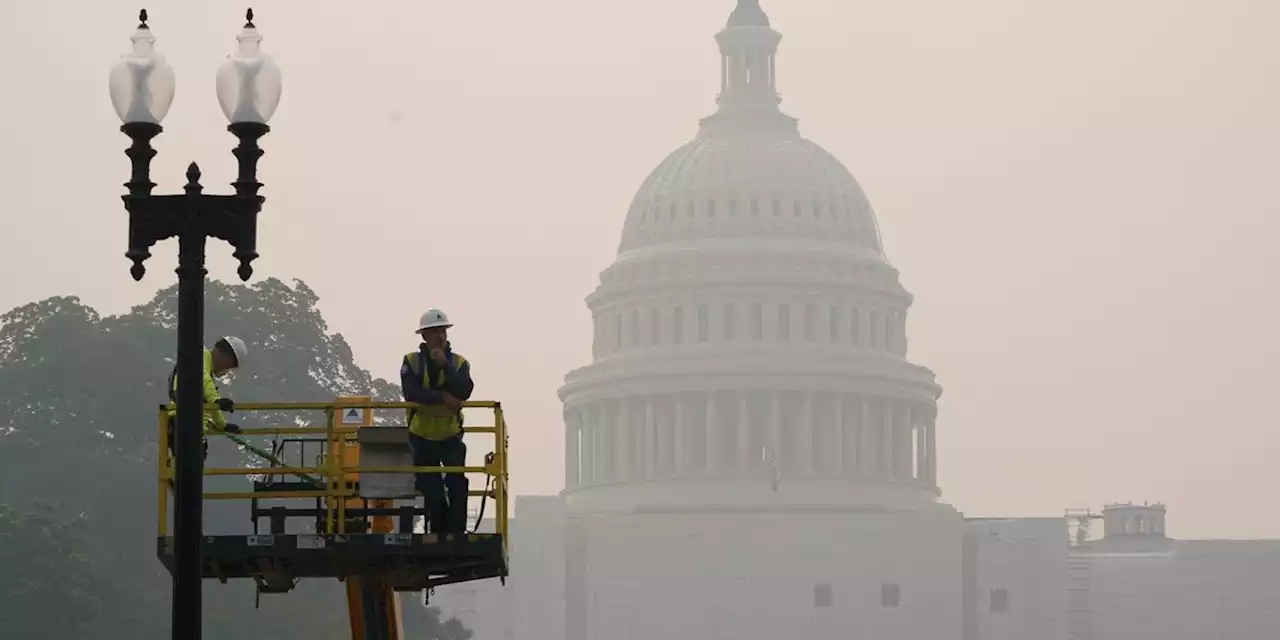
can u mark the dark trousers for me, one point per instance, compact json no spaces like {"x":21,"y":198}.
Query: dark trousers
{"x":445,"y":495}
{"x":203,"y":441}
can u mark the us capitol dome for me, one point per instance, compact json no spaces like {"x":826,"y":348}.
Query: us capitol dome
{"x":749,"y":338}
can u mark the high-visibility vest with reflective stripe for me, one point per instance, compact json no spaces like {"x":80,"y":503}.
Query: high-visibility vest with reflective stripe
{"x":213,"y":417}
{"x":435,"y":421}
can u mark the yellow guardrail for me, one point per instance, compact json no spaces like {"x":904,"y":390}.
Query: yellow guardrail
{"x":334,"y":472}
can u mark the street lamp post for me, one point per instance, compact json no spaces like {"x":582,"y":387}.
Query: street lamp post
{"x":142,"y":88}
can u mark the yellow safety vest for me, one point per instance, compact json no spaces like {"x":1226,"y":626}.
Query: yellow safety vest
{"x":213,"y":418}
{"x":435,"y":421}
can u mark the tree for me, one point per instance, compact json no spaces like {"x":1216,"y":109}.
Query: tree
{"x":78,"y":400}
{"x":424,"y":623}
{"x":47,"y":574}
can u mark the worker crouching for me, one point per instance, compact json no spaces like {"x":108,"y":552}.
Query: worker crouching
{"x":227,"y":354}
{"x":438,"y":380}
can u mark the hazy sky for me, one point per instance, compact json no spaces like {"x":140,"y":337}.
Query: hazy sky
{"x":1077,"y":193}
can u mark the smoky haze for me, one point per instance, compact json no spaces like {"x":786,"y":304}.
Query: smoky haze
{"x":1077,"y":197}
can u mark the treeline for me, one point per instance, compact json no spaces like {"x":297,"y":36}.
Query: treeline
{"x":78,"y":400}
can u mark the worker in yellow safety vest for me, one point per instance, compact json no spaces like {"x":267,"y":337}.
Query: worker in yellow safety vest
{"x":227,"y":353}
{"x":439,"y":381}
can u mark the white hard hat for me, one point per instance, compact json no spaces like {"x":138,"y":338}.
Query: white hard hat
{"x":433,"y":318}
{"x":238,"y":349}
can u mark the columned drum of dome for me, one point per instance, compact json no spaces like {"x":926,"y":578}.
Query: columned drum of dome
{"x":750,"y":337}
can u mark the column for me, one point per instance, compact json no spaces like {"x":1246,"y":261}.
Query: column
{"x":591,"y":423}
{"x":664,"y":428}
{"x":715,"y":437}
{"x":838,"y":444}
{"x":775,"y":426}
{"x":900,"y":333}
{"x":678,"y":434}
{"x":744,"y":434}
{"x":604,"y":435}
{"x":651,"y":451}
{"x":572,"y":438}
{"x":621,"y":442}
{"x":884,"y":431}
{"x":922,"y":441}
{"x":804,"y":436}
{"x":639,"y":417}
{"x":868,"y":462}
{"x":636,"y":420}
{"x":931,"y":451}
{"x":902,"y":451}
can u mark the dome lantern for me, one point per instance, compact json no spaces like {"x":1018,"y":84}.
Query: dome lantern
{"x":748,"y":53}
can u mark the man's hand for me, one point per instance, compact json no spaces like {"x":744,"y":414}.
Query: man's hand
{"x":452,"y":402}
{"x":226,"y":404}
{"x":232,"y":428}
{"x":437,"y":356}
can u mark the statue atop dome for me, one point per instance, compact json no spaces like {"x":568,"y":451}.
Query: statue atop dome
{"x":748,"y":14}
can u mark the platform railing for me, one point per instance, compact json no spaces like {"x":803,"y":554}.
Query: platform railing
{"x":334,"y":472}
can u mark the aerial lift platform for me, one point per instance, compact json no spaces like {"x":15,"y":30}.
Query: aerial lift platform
{"x":350,"y":512}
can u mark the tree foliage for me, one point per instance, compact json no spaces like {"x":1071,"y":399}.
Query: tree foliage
{"x":79,"y":394}
{"x":427,"y":624}
{"x":48,"y":568}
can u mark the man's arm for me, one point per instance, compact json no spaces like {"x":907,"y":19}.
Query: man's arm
{"x":411,"y":386}
{"x":458,"y":381}
{"x":211,"y":395}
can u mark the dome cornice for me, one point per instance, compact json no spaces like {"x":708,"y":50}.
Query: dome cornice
{"x":679,"y":371}
{"x":777,"y":286}
{"x":662,"y":272}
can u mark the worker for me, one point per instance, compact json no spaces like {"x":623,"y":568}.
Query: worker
{"x":438,"y":380}
{"x":227,"y":354}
